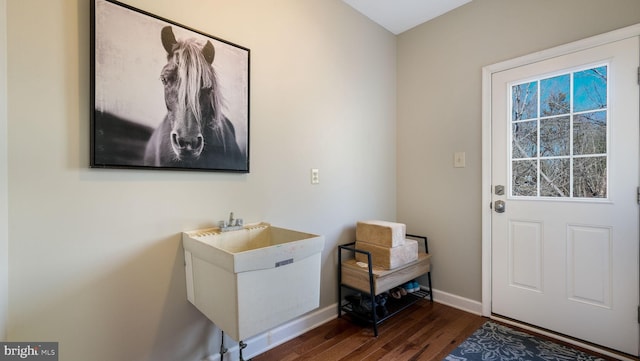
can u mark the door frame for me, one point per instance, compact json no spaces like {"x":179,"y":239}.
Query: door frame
{"x":487,"y":73}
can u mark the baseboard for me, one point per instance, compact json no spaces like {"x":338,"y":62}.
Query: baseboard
{"x":264,"y":342}
{"x":458,"y":302}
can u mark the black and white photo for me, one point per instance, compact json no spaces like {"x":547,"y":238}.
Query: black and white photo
{"x":166,"y":96}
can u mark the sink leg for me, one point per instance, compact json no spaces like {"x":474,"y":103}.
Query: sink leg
{"x":223,"y":349}
{"x":242,"y":347}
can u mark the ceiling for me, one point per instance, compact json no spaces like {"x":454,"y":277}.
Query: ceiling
{"x":398,"y":16}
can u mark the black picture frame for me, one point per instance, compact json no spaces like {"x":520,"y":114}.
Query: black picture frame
{"x":154,"y":104}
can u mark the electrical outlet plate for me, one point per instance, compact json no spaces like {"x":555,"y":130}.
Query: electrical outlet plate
{"x":315,"y":176}
{"x":459,"y":160}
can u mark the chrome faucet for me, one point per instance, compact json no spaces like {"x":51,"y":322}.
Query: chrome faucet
{"x":231,"y":225}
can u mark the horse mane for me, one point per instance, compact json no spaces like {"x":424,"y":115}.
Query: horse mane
{"x":195,"y":73}
{"x":194,"y":132}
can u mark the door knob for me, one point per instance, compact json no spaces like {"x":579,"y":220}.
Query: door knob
{"x":499,"y":206}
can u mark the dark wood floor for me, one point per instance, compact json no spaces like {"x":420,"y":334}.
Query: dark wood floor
{"x":425,"y":331}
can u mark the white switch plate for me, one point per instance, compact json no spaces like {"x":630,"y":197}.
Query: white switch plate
{"x":315,"y":176}
{"x":459,"y":160}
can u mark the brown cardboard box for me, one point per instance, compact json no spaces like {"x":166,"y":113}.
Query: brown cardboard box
{"x":388,"y":257}
{"x":381,"y":233}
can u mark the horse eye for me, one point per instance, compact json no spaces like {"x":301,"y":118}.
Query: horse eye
{"x":163,"y":80}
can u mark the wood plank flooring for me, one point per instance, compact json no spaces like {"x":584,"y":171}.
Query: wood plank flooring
{"x":425,"y":331}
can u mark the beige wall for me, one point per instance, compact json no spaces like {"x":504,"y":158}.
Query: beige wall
{"x":95,"y":256}
{"x":439,"y":113}
{"x":4,"y":188}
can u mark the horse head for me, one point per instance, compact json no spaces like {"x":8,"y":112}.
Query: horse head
{"x":191,"y":94}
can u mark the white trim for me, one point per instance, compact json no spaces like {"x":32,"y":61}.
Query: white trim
{"x":264,"y":342}
{"x":592,"y":42}
{"x":486,"y":191}
{"x":487,"y":72}
{"x":458,"y":302}
{"x":288,"y":331}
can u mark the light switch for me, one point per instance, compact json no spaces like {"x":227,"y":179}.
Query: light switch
{"x":459,"y":160}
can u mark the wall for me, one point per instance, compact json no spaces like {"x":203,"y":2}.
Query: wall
{"x":4,"y":188}
{"x":95,"y":255}
{"x":439,"y":113}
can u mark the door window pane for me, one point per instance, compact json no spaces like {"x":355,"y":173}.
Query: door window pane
{"x":555,"y":178}
{"x":590,"y":177}
{"x":524,"y":99}
{"x":555,"y":136}
{"x":525,"y":178}
{"x":590,"y":133}
{"x":590,"y":89}
{"x":559,"y":135}
{"x":555,"y":96}
{"x":525,"y":139}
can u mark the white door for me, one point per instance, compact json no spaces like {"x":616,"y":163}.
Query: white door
{"x":565,"y":146}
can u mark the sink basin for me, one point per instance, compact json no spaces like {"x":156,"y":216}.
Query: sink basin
{"x":250,"y":280}
{"x":256,"y":246}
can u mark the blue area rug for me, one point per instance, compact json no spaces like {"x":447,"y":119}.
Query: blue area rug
{"x":501,"y":343}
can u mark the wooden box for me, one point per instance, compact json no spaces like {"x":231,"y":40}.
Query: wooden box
{"x":388,"y":258}
{"x":382,"y":233}
{"x":357,"y":277}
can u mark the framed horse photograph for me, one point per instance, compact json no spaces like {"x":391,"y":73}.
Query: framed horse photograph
{"x":165,"y":96}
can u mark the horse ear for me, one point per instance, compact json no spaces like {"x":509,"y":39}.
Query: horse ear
{"x":209,"y":52}
{"x":168,"y":39}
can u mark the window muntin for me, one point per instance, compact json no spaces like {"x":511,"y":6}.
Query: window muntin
{"x":559,"y":135}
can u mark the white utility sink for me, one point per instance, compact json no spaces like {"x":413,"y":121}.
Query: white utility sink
{"x":250,"y":280}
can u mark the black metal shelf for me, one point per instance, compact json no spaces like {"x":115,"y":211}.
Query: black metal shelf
{"x":392,"y":305}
